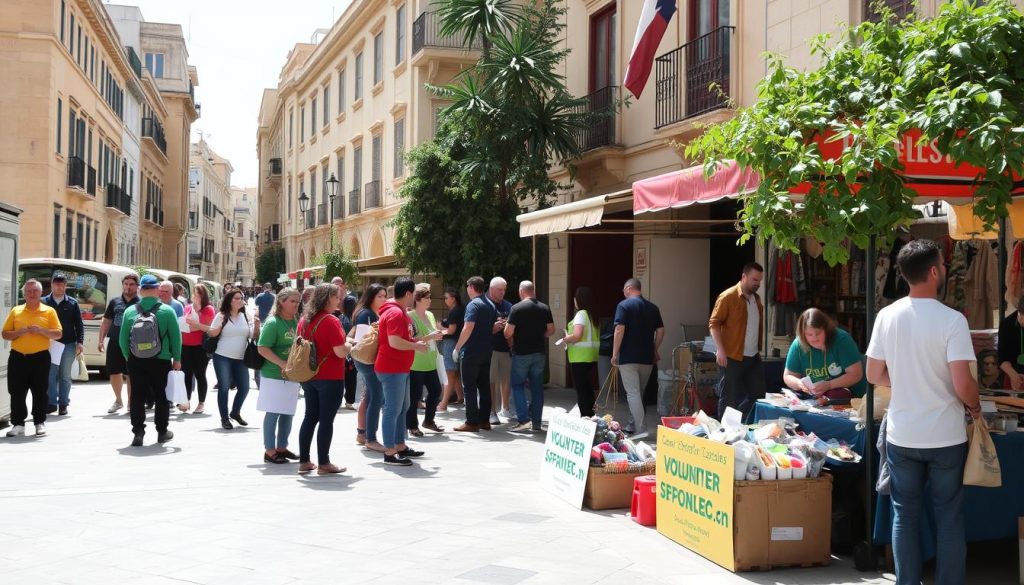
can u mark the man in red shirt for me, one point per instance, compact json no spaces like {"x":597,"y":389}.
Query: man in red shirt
{"x":394,"y":361}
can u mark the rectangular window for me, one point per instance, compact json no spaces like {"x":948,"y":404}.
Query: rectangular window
{"x":92,"y":64}
{"x":155,"y":64}
{"x":88,"y":240}
{"x":327,"y":103}
{"x":341,"y":175}
{"x":378,"y":58}
{"x":341,"y":91}
{"x":323,"y":177}
{"x":88,"y":157}
{"x":312,"y":190}
{"x":375,"y":160}
{"x":56,"y":231}
{"x":399,"y":147}
{"x":312,"y":117}
{"x":78,"y":51}
{"x":71,"y":35}
{"x":79,"y":238}
{"x":358,"y":93}
{"x":291,"y":126}
{"x":72,"y":126}
{"x":69,"y":232}
{"x":400,"y":35}
{"x":357,"y":168}
{"x":602,"y":49}
{"x":63,"y":9}
{"x":60,"y":109}
{"x":302,"y":124}
{"x":95,"y":240}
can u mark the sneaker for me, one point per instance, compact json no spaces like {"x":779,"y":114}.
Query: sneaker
{"x":164,"y":437}
{"x":410,"y":453}
{"x":116,"y":406}
{"x":137,"y":441}
{"x":52,"y":408}
{"x":63,"y":411}
{"x":16,"y":431}
{"x":40,"y":430}
{"x":226,"y":424}
{"x":526,"y":427}
{"x":503,"y":413}
{"x":494,"y":419}
{"x":397,"y":459}
{"x":238,"y":419}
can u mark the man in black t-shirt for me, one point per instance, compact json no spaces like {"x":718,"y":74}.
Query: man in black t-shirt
{"x":110,"y":327}
{"x":529,"y":325}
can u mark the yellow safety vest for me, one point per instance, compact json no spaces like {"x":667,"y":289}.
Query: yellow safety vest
{"x":584,"y":350}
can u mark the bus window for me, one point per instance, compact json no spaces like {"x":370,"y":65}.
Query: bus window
{"x":85,"y":286}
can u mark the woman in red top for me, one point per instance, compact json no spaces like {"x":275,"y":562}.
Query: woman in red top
{"x":324,"y":392}
{"x":198,"y":315}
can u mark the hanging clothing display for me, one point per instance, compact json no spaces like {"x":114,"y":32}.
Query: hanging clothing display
{"x":895,"y":286}
{"x":982,"y":284}
{"x":1014,"y":273}
{"x":956,"y":275}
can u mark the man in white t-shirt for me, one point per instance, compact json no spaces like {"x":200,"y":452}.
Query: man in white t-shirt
{"x":922,"y":349}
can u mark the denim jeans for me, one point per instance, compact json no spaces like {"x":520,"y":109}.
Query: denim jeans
{"x":230,"y":372}
{"x":476,"y":385}
{"x":322,"y":400}
{"x":282,"y":423}
{"x":529,"y":367}
{"x":396,"y":402}
{"x":374,"y":399}
{"x":59,"y":391}
{"x":942,"y":472}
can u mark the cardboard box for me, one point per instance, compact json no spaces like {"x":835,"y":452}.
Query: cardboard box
{"x":607,"y":491}
{"x":782,"y":523}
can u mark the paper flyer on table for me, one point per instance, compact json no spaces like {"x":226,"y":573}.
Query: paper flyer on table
{"x":361,"y":331}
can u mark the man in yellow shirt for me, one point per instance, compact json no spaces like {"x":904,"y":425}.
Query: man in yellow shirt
{"x":30,"y":328}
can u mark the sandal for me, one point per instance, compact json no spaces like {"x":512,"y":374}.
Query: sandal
{"x":416,"y":432}
{"x":374,"y":446}
{"x":306,"y":467}
{"x":275,"y":458}
{"x":329,"y":469}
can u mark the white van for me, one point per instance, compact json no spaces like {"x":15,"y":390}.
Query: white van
{"x":8,"y":281}
{"x":92,"y":284}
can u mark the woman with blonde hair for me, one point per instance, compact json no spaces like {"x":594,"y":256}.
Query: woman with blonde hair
{"x":278,"y":397}
{"x":424,"y":365}
{"x":823,"y":359}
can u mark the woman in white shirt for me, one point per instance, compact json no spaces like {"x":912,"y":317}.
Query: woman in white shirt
{"x":233,"y":328}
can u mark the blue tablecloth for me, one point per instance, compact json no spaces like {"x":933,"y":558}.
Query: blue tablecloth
{"x":991,"y":512}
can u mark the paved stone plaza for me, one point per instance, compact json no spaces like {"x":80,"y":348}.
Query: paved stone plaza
{"x":80,"y":506}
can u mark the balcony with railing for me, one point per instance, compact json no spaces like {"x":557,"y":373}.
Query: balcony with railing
{"x":275,"y":167}
{"x":81,"y":177}
{"x":154,"y":130}
{"x":118,"y":200}
{"x":133,"y":60}
{"x":694,"y":78}
{"x":354,"y":204}
{"x":338,"y":207}
{"x":372,"y":194}
{"x":600,"y":105}
{"x":310,"y":218}
{"x":321,"y":214}
{"x":426,"y":34}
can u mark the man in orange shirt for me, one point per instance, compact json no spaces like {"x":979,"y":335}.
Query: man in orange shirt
{"x":737,"y":326}
{"x":30,"y":328}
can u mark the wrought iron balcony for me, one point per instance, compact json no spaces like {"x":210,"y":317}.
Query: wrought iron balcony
{"x":76,"y":172}
{"x":321,"y":214}
{"x":310,"y":219}
{"x":338,"y":207}
{"x":694,"y":78}
{"x":601,"y":104}
{"x":373,"y":194}
{"x":90,"y":180}
{"x":426,"y":32}
{"x":133,"y":60}
{"x":118,"y":200}
{"x":353,"y":201}
{"x":275,"y":167}
{"x":151,"y":128}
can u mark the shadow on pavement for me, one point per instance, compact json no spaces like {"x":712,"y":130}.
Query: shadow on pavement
{"x":148,"y":450}
{"x":332,"y":483}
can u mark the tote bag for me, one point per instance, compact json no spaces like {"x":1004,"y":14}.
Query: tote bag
{"x":176,"y":387}
{"x":982,"y":468}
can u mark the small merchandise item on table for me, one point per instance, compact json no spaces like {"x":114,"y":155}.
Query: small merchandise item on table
{"x":615,"y":462}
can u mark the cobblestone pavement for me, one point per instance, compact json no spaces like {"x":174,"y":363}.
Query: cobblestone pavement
{"x":80,"y":506}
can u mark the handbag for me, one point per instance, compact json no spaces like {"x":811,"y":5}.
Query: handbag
{"x":252,"y":358}
{"x":982,"y":467}
{"x":365,"y":352}
{"x":79,"y":371}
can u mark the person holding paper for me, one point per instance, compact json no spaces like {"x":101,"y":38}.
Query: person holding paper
{"x":826,"y":356}
{"x":452,"y":326}
{"x":232,"y":326}
{"x":70,"y":344}
{"x":149,"y":374}
{"x":424,"y":365}
{"x":582,"y":346}
{"x":369,"y":393}
{"x":30,"y":328}
{"x":199,"y":316}
{"x":277,"y":395}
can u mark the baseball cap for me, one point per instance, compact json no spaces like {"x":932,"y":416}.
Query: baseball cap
{"x":149,"y":281}
{"x":59,"y":277}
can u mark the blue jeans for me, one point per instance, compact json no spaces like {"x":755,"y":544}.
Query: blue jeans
{"x":282,"y":423}
{"x":230,"y":372}
{"x":323,"y":397}
{"x":374,"y":399}
{"x":396,"y":402}
{"x":942,"y":472}
{"x":59,"y":391}
{"x":528,"y":367}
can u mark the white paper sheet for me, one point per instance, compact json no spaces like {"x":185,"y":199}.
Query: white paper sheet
{"x":361,"y":331}
{"x":183,"y":325}
{"x":279,"y":396}
{"x":56,"y":351}
{"x":442,"y":374}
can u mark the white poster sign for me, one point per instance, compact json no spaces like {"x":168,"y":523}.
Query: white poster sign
{"x":566,"y":459}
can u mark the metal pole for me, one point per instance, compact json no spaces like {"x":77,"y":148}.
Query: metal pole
{"x":1003,"y":260}
{"x":869,"y":466}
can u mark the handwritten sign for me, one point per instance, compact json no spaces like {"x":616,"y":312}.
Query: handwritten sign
{"x":566,"y":460}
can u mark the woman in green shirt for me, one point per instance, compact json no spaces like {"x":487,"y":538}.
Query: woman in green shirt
{"x":827,"y":355}
{"x":278,"y":396}
{"x":424,"y":366}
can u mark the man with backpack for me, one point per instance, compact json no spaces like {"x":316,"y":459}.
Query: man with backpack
{"x":151,"y":343}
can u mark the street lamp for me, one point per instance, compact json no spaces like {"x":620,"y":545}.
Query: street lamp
{"x":332,"y":192}
{"x":303,"y":207}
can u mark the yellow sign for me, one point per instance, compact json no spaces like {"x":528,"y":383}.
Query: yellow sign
{"x":695,"y":494}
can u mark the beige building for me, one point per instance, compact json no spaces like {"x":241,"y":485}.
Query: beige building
{"x":245,"y":234}
{"x":683,"y":256}
{"x":349,"y":105}
{"x":211,"y":214}
{"x":78,"y":157}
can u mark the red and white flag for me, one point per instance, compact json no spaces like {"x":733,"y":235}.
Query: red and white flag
{"x":653,"y":21}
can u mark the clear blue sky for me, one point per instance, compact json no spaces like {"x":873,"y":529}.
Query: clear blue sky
{"x":239,"y":47}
